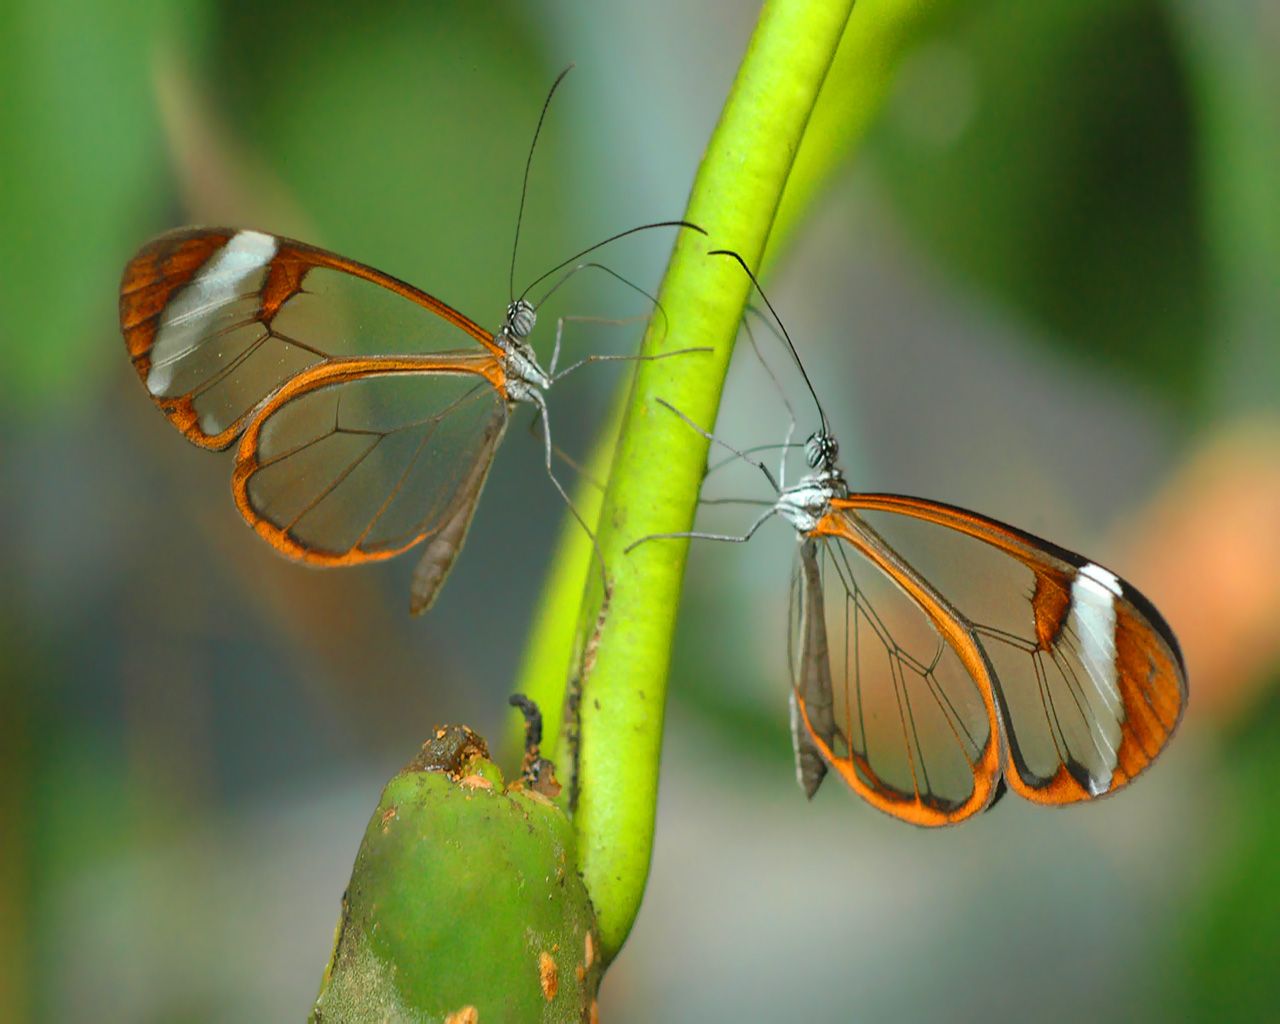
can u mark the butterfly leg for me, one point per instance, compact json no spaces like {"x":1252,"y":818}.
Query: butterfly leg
{"x":564,"y":456}
{"x":728,"y":538}
{"x":555,"y":355}
{"x":608,"y":321}
{"x":549,"y":450}
{"x":618,"y":359}
{"x":723,"y":444}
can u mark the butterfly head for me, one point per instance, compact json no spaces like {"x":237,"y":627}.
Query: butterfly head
{"x":826,"y":481}
{"x":821,"y":451}
{"x":521,"y":318}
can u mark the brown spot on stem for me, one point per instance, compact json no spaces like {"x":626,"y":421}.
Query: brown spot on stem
{"x":548,"y":975}
{"x":467,"y":1015}
{"x":593,"y":642}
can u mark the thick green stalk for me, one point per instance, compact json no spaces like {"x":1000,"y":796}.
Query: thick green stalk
{"x":658,"y":462}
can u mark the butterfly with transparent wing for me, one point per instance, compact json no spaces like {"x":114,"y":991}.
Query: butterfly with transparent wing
{"x":346,"y":454}
{"x":938,"y":656}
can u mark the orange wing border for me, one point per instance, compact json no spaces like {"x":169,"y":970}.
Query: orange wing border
{"x":1146,"y":649}
{"x":959,"y":634}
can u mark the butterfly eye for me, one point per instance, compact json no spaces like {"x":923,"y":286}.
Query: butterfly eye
{"x":521,"y":318}
{"x":821,"y":450}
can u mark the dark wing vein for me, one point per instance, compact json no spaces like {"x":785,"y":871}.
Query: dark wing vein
{"x":333,"y":485}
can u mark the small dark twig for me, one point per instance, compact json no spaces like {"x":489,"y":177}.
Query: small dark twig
{"x":536,"y":772}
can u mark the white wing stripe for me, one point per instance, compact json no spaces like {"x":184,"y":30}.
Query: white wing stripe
{"x":216,"y":284}
{"x":1093,"y":612}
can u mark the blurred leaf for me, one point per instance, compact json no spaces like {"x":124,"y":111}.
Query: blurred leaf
{"x":19,"y":670}
{"x":403,"y":137}
{"x":1226,"y":966}
{"x":79,"y":144}
{"x":1235,"y":80}
{"x":854,"y":91}
{"x":1044,"y":151}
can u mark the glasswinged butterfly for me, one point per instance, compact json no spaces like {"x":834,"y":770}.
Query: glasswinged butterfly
{"x":344,"y":453}
{"x":938,"y":656}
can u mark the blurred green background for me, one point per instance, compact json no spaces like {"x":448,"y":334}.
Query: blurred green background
{"x":1046,"y":287}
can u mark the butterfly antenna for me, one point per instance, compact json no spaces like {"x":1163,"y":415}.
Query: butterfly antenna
{"x":764,"y":363}
{"x":653,"y":299}
{"x":612,"y":238}
{"x":822,"y":415}
{"x":736,"y":452}
{"x":524,"y":185}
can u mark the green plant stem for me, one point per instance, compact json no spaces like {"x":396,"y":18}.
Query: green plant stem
{"x":857,"y":84}
{"x":658,"y":461}
{"x":855,"y":88}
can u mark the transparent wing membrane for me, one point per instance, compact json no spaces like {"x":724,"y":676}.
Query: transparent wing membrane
{"x":908,"y":727}
{"x":1087,"y":677}
{"x":363,"y":468}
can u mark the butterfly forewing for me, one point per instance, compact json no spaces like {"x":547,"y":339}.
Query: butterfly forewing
{"x":348,"y":470}
{"x":216,"y":320}
{"x":911,"y":729}
{"x":1088,"y":678}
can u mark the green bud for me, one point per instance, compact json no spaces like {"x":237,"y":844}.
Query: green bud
{"x":465,"y":904}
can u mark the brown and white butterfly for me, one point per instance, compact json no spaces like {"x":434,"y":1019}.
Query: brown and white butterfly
{"x":938,"y":656}
{"x":365,"y":412}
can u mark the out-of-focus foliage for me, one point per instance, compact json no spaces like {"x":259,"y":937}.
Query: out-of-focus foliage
{"x":1221,"y":968}
{"x":83,"y":160}
{"x":1229,"y":54}
{"x":412,"y":136}
{"x":1046,"y":151}
{"x":1049,"y":288}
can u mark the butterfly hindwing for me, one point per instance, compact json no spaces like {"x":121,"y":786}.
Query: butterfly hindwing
{"x":913,"y":722}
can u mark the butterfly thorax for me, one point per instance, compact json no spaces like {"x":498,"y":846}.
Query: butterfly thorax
{"x":804,"y":504}
{"x":524,"y":374}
